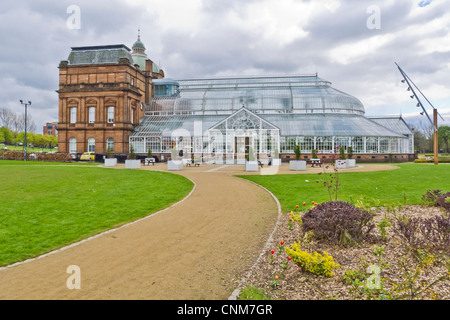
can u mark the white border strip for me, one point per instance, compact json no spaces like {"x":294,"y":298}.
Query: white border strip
{"x":237,"y":291}
{"x":100,"y":234}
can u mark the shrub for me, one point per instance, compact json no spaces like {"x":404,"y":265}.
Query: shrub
{"x":39,"y":156}
{"x":431,"y":197}
{"x":350,"y":152}
{"x":316,"y":263}
{"x":418,"y":234}
{"x":132,"y":155}
{"x":339,"y":222}
{"x":252,"y":293}
{"x":443,"y":201}
{"x":341,"y":153}
{"x":297,"y":152}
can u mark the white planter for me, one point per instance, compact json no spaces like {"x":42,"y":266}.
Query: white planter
{"x":110,"y":162}
{"x":276,"y":162}
{"x":352,"y":162}
{"x":133,"y":164}
{"x":297,"y":165}
{"x":251,"y":166}
{"x":342,"y":164}
{"x":174,"y":165}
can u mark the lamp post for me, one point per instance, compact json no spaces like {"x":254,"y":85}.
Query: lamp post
{"x":26,"y":104}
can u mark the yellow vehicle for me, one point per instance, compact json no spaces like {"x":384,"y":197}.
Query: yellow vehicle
{"x":88,"y":156}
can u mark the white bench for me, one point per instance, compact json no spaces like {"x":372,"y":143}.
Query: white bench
{"x":147,"y":161}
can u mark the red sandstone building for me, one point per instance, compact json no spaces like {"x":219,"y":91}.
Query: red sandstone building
{"x":102,"y":95}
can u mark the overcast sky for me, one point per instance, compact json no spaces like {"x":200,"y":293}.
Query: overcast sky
{"x":351,"y":43}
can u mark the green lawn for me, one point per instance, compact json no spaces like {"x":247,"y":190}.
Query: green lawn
{"x":46,"y":207}
{"x":396,"y":187}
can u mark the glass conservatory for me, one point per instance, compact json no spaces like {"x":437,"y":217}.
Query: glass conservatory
{"x":230,"y":120}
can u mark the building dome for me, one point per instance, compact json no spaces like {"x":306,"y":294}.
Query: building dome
{"x":138,"y":54}
{"x":138,"y":44}
{"x":265,"y":95}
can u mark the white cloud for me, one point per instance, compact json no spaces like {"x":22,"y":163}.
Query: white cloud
{"x":278,"y":21}
{"x":351,"y":52}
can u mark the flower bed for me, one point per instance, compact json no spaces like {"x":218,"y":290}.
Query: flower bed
{"x":385,"y":254}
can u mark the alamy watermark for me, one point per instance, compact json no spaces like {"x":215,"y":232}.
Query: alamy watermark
{"x":74,"y":280}
{"x":374,"y":20}
{"x":73,"y":22}
{"x":374,"y":282}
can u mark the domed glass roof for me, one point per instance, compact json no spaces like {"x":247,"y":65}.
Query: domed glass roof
{"x":264,"y":95}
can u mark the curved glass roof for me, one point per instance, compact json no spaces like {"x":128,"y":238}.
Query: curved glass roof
{"x":289,"y":125}
{"x":289,"y":94}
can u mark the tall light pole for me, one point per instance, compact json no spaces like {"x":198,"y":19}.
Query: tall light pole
{"x":26,"y":105}
{"x":433,"y":122}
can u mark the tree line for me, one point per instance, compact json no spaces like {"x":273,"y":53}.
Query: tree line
{"x":12,"y":131}
{"x":424,"y":138}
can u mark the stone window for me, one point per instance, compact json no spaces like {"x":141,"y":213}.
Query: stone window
{"x":110,"y":145}
{"x":110,"y":114}
{"x":91,"y":145}
{"x":73,"y":115}
{"x":72,"y":145}
{"x":91,"y":114}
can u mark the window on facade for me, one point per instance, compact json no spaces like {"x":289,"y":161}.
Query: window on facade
{"x":153,"y":144}
{"x":384,"y":145}
{"x":110,"y":145}
{"x":72,"y":145}
{"x":91,"y":145}
{"x":73,"y":115}
{"x":110,"y":114}
{"x":324,"y":144}
{"x":358,"y":145}
{"x":371,"y":145}
{"x":91,"y":114}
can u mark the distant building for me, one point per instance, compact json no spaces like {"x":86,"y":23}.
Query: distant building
{"x":51,"y":129}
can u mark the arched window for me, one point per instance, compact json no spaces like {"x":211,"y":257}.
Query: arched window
{"x":91,"y":145}
{"x":72,"y":145}
{"x":110,"y":145}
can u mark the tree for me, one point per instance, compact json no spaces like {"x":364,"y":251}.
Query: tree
{"x":7,"y":118}
{"x":16,"y":121}
{"x":421,"y":142}
{"x":444,"y":137}
{"x":6,"y":135}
